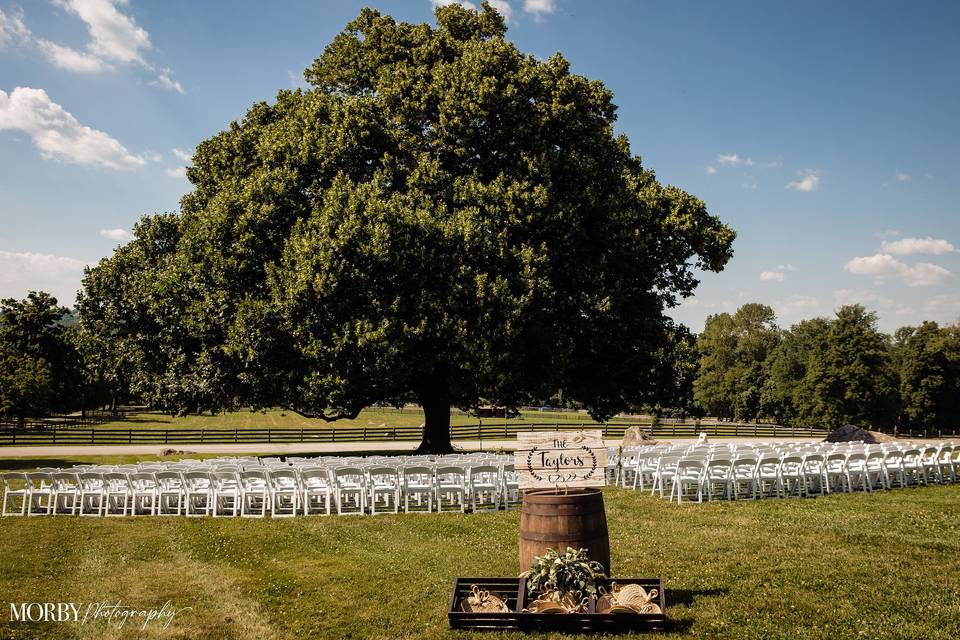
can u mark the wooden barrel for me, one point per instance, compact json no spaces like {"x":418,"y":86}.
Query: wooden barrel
{"x":552,"y":520}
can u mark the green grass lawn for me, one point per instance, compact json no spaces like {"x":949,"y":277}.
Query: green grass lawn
{"x":885,"y":565}
{"x":277,"y":419}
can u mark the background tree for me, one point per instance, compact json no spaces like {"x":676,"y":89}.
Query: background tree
{"x":733,"y":352}
{"x":440,"y":217}
{"x":786,"y":396}
{"x":26,"y":388}
{"x":928,"y":363}
{"x":851,"y":380}
{"x":36,"y":345}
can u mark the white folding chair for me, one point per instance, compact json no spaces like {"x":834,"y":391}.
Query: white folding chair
{"x":118,"y":494}
{"x":718,"y":478}
{"x":285,"y":490}
{"x":170,"y":493}
{"x":689,"y":474}
{"x":791,"y":476}
{"x":316,"y":490}
{"x":384,"y":485}
{"x":484,"y":488}
{"x":226,"y":491}
{"x":93,"y":491}
{"x":417,"y":485}
{"x":350,"y":490}
{"x":893,"y":468}
{"x":743,"y":477}
{"x":509,"y":486}
{"x":451,"y":488}
{"x":198,"y":492}
{"x":145,"y":490}
{"x":768,"y":475}
{"x":66,"y":489}
{"x":254,"y":492}
{"x":14,"y":489}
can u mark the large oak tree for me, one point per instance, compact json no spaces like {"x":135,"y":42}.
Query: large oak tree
{"x":439,"y":217}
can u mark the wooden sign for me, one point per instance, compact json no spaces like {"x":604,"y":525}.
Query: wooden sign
{"x":560,"y":459}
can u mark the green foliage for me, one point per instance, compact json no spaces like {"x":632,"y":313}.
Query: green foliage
{"x":851,"y":380}
{"x":26,"y":386}
{"x":38,"y":350}
{"x":441,"y":217}
{"x":561,"y":573}
{"x":733,"y":350}
{"x":928,"y":360}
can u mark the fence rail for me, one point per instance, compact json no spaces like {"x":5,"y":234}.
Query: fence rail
{"x":479,"y":431}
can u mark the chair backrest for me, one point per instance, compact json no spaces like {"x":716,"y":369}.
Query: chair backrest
{"x":315,"y":476}
{"x":384,"y":475}
{"x":485,"y":474}
{"x":40,"y":478}
{"x":451,"y":475}
{"x":284,"y":477}
{"x":349,"y":476}
{"x":256,"y":476}
{"x":143,"y":480}
{"x":170,"y":479}
{"x":197,"y":478}
{"x":65,"y":481}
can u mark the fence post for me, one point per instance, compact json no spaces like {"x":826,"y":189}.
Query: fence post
{"x":130,"y":436}
{"x":301,"y":434}
{"x":92,"y":437}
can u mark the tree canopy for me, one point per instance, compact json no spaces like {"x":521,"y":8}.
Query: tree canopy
{"x":40,"y":365}
{"x":440,"y":217}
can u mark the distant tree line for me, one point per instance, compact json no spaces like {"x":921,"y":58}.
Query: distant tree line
{"x":828,"y":371}
{"x":821,"y":372}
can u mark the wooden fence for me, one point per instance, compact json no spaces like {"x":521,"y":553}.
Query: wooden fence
{"x":319,"y":435}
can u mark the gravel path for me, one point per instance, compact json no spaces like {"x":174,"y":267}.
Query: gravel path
{"x":297,"y":448}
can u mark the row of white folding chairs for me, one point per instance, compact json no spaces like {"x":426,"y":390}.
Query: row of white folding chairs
{"x":789,"y":473}
{"x":253,"y":490}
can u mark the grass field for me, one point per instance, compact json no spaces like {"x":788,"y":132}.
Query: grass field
{"x":884,"y":565}
{"x":277,"y":419}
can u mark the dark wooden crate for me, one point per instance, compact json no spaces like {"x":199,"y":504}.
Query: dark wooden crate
{"x":510,"y":589}
{"x":514,"y":592}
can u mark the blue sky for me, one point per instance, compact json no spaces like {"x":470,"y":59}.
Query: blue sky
{"x":824,"y":132}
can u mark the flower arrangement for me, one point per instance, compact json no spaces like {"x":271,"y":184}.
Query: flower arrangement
{"x":567,"y":578}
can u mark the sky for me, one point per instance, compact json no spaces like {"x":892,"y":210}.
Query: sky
{"x":825,"y":133}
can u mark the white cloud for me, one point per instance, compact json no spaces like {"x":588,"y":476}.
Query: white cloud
{"x":786,"y":267}
{"x":71,"y":59}
{"x":711,"y":170}
{"x":503,"y":8}
{"x":539,"y":7}
{"x":466,"y":4}
{"x":862,"y":296}
{"x":903,"y":177}
{"x":177,"y":172}
{"x":881,"y":264}
{"x":944,"y":308}
{"x":772,"y":276}
{"x":12,"y":29}
{"x":58,"y":135}
{"x":26,"y":271}
{"x":752,"y":186}
{"x":733,"y":160}
{"x":166,"y":82}
{"x":884,"y":265}
{"x":910,"y":246}
{"x":115,"y":36}
{"x":810,"y":181}
{"x":887,"y":233}
{"x":118,"y":235}
{"x":796,"y":305}
{"x":186,"y":156}
{"x":925,"y":274}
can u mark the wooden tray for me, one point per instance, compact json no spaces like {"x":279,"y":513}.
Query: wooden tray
{"x":514,"y":593}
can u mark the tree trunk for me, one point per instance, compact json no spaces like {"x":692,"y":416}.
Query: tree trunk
{"x":434,"y":396}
